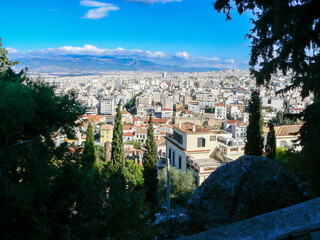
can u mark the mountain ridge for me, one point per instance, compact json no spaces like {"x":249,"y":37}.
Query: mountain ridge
{"x":74,"y":64}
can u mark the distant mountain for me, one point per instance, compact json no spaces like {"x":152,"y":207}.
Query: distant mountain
{"x":90,"y":64}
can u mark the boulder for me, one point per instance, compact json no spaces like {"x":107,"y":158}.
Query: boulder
{"x":244,"y":188}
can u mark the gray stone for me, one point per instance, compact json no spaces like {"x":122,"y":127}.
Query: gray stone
{"x":301,"y":221}
{"x":242,"y":189}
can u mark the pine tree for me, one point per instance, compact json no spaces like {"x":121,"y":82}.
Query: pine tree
{"x":271,"y":143}
{"x":150,"y":167}
{"x":5,"y":63}
{"x":254,"y":145}
{"x":117,"y":151}
{"x":89,"y":154}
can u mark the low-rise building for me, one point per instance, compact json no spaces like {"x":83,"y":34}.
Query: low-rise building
{"x":106,"y":133}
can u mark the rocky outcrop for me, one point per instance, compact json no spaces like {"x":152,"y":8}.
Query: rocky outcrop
{"x":244,"y":188}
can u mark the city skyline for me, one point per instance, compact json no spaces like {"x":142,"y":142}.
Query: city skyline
{"x":160,"y":31}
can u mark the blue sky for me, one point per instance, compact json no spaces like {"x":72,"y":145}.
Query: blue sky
{"x":182,"y":28}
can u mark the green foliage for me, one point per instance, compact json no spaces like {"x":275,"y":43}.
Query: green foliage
{"x":100,"y":153}
{"x":283,"y":119}
{"x":133,"y":174}
{"x":208,"y":109}
{"x":136,"y":144}
{"x":285,"y":38}
{"x":222,"y":126}
{"x":271,"y":143}
{"x":150,"y":167}
{"x":117,"y":151}
{"x":89,"y":155}
{"x":44,"y":191}
{"x":182,"y":186}
{"x":254,"y":145}
{"x":5,"y":63}
{"x":28,"y":156}
{"x":131,"y":105}
{"x":230,"y":117}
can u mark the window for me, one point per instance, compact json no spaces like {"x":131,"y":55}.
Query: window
{"x":170,"y":154}
{"x":180,"y":159}
{"x":201,"y":142}
{"x":173,"y":158}
{"x":178,"y":137}
{"x":213,"y":138}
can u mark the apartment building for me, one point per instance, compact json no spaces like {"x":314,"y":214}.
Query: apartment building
{"x":106,"y":133}
{"x":107,"y":106}
{"x":196,"y":148}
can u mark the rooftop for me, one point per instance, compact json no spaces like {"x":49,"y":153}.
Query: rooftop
{"x":191,"y":128}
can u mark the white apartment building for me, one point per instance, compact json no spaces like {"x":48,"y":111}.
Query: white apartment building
{"x":107,"y":106}
{"x":141,"y":100}
{"x":198,"y":149}
{"x":220,"y":111}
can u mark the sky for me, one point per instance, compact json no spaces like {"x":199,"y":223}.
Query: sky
{"x":158,"y":30}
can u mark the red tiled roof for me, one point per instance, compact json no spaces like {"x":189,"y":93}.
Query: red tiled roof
{"x":125,"y":112}
{"x":127,"y":127}
{"x":220,"y":104}
{"x":93,"y":118}
{"x":233,"y":121}
{"x":156,"y":120}
{"x":136,"y":119}
{"x":128,"y":134}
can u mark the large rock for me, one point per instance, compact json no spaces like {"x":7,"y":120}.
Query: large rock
{"x":242,"y":189}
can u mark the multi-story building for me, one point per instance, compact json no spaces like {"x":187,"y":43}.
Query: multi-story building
{"x":107,"y":106}
{"x":220,"y":111}
{"x":106,"y":133}
{"x":196,"y":148}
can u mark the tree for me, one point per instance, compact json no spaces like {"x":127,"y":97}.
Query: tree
{"x":5,"y":63}
{"x":89,"y":154}
{"x":271,"y":143}
{"x":29,"y":159}
{"x":131,"y":105}
{"x":285,"y":38}
{"x":136,"y":143}
{"x":254,"y":145}
{"x":150,"y":167}
{"x":133,"y":174}
{"x":44,"y":193}
{"x":182,"y":186}
{"x":208,"y":109}
{"x":222,"y":126}
{"x":117,"y":151}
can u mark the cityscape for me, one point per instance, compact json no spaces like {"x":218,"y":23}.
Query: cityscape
{"x":200,"y":105}
{"x":160,"y":119}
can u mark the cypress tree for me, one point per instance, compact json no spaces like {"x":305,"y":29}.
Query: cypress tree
{"x":222,"y":126}
{"x":254,"y":145}
{"x":150,"y":167}
{"x":89,"y":155}
{"x":271,"y":143}
{"x":117,"y":152}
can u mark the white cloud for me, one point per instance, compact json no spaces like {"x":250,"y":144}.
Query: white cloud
{"x":11,"y":50}
{"x":153,"y":1}
{"x":88,"y":3}
{"x":230,"y":61}
{"x":182,"y":59}
{"x":183,"y":54}
{"x":100,"y":9}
